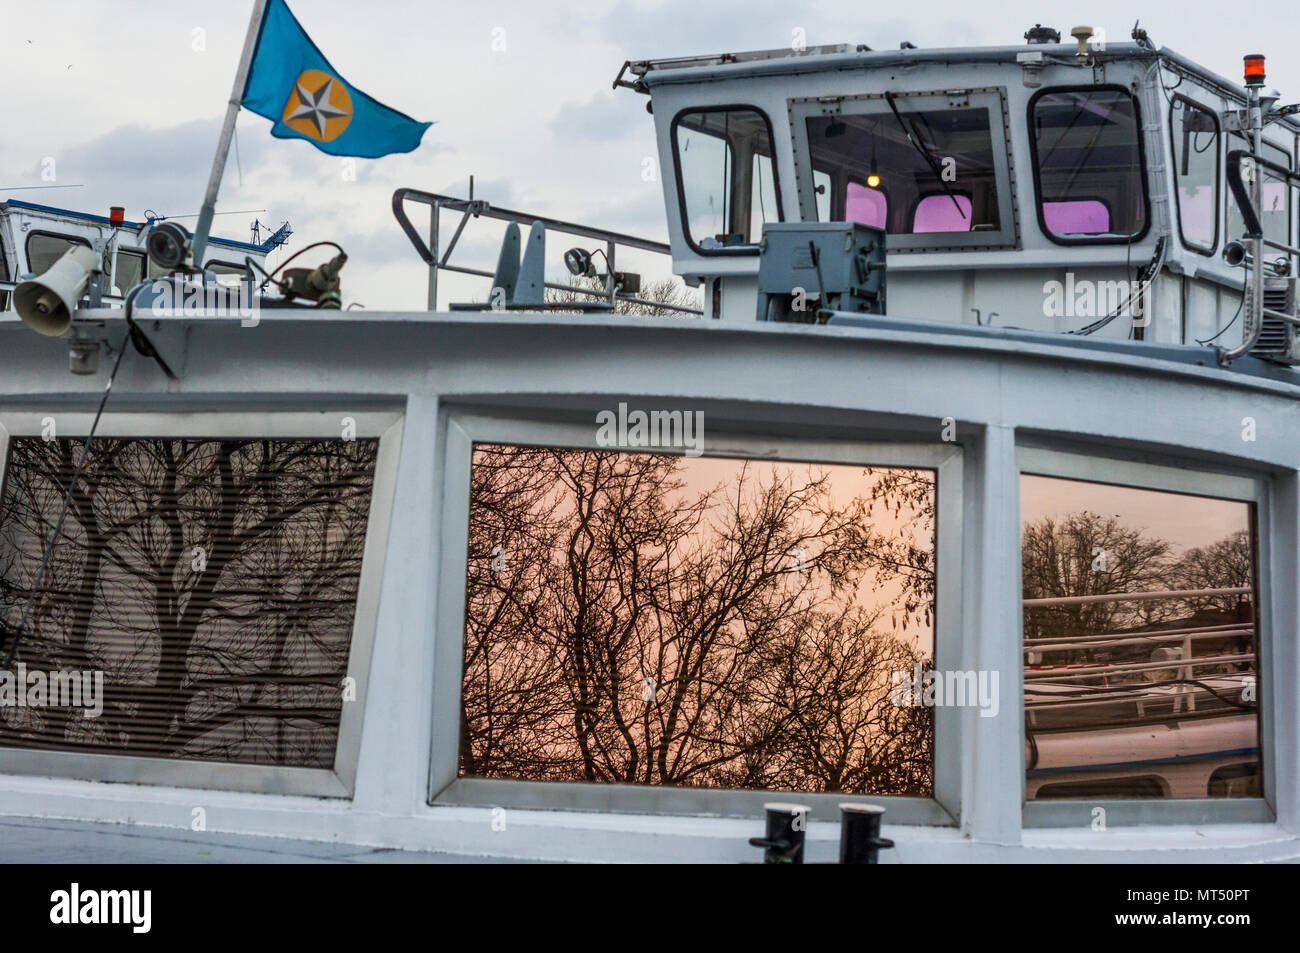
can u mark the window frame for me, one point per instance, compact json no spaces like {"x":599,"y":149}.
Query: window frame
{"x":1218,"y":174}
{"x":129,"y":250}
{"x":45,"y":233}
{"x":737,"y":250}
{"x":992,"y":98}
{"x":463,"y":429}
{"x":1194,"y":480}
{"x":1229,"y":199}
{"x":336,"y":782}
{"x":242,"y":269}
{"x":1142,"y":165}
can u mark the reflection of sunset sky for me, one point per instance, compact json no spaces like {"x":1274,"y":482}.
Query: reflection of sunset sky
{"x":1185,"y":521}
{"x":701,"y":474}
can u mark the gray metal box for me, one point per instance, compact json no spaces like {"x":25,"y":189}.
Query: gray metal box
{"x":842,"y":264}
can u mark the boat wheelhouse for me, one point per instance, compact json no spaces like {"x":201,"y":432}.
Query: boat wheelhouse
{"x":33,"y":237}
{"x":970,"y":492}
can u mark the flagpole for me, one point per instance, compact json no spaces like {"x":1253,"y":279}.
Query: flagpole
{"x":227,"y":133}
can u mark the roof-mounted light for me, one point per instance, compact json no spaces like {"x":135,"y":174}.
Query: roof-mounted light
{"x":1254,"y":69}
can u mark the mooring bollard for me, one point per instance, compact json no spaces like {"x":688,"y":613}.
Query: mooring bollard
{"x":786,"y":826}
{"x":860,"y":840}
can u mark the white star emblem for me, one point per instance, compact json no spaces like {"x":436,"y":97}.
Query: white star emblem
{"x":315,"y":106}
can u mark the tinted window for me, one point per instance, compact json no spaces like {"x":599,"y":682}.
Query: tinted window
{"x":727,"y":177}
{"x":924,"y":170}
{"x":44,"y":249}
{"x":130,"y":270}
{"x":1088,"y":159}
{"x":1140,"y":639}
{"x":1275,"y":211}
{"x":211,"y":584}
{"x":1195,"y":133}
{"x":639,"y":618}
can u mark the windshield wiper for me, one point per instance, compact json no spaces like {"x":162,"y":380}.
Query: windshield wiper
{"x":912,"y":137}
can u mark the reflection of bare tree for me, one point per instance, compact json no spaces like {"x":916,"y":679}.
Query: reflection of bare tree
{"x":1226,"y":564}
{"x":1084,"y":554}
{"x":631,"y":630}
{"x":214,"y":582}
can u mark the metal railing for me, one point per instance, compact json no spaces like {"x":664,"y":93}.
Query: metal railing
{"x":477,"y":208}
{"x":1249,"y":204}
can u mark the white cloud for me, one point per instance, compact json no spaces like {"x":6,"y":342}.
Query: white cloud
{"x":127,"y":105}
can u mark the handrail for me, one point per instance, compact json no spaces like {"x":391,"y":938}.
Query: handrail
{"x":1247,"y":204}
{"x":477,"y":208}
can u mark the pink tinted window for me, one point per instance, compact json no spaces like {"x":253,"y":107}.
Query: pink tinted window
{"x":1081,"y":217}
{"x":938,"y":213}
{"x":865,"y":205}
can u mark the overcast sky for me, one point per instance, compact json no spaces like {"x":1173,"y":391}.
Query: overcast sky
{"x":127,"y":96}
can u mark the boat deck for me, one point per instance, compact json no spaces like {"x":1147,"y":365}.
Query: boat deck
{"x":47,"y":841}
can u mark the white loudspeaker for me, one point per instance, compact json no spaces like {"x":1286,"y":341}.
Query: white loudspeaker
{"x":46,"y":303}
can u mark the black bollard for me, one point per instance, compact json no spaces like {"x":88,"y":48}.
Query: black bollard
{"x":860,"y":840}
{"x":786,"y":826}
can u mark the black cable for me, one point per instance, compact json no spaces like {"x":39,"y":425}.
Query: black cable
{"x":1226,"y":326}
{"x":1152,"y":270}
{"x":63,"y":512}
{"x":300,"y":251}
{"x":912,"y":137}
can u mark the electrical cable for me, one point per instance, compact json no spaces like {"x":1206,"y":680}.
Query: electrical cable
{"x":1218,"y":333}
{"x":300,"y":251}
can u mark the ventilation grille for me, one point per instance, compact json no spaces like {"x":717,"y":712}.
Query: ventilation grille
{"x":1275,"y":335}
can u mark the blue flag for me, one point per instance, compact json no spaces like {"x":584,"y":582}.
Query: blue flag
{"x":292,"y":84}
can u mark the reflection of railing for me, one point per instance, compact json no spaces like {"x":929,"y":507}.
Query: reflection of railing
{"x":1136,"y":596}
{"x":472,"y":208}
{"x":1186,"y":682}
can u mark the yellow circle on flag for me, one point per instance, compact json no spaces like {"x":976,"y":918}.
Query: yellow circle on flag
{"x":319,"y":107}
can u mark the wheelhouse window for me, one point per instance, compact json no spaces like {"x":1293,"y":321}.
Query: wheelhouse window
{"x":1088,"y":168}
{"x":130,"y":270}
{"x":726,"y":177}
{"x":923,"y":169}
{"x":228,"y":273}
{"x":45,"y":248}
{"x":1275,"y":211}
{"x":692,"y":622}
{"x":201,"y":599}
{"x":1195,"y":132}
{"x":1141,"y":643}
